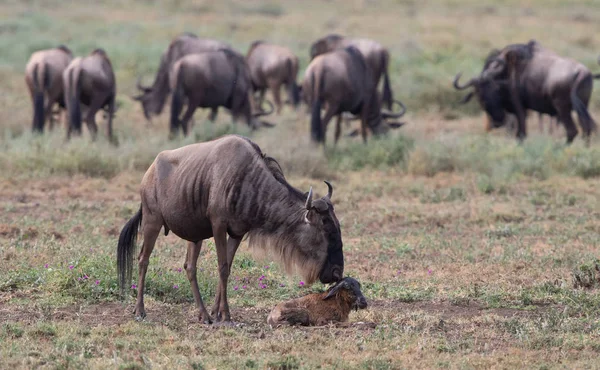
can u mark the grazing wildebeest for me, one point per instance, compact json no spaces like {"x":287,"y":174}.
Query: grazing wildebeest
{"x":228,"y":188}
{"x":43,"y":75}
{"x":528,"y":76}
{"x":376,"y":56}
{"x":209,"y":80}
{"x":90,"y":81}
{"x":153,"y":98}
{"x":272,"y":66}
{"x":341,"y":81}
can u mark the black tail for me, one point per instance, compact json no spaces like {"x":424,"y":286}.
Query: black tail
{"x":125,"y":249}
{"x":74,"y":107}
{"x":585,"y":119}
{"x":38,"y":102}
{"x":387,"y":89}
{"x":176,"y":103}
{"x":316,"y":129}
{"x":294,"y":90}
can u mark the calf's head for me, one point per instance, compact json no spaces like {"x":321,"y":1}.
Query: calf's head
{"x":349,"y":290}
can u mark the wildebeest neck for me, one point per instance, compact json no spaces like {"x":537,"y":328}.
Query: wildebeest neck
{"x":279,"y":213}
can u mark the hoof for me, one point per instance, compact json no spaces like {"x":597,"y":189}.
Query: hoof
{"x":140,"y":314}
{"x":205,"y":320}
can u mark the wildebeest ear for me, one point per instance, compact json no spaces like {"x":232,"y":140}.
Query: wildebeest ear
{"x":336,"y":288}
{"x":396,"y":124}
{"x":467,"y":98}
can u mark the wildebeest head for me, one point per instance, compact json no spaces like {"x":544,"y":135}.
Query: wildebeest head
{"x":378,"y":117}
{"x":325,"y":44}
{"x":153,"y":97}
{"x":492,"y":96}
{"x":351,"y":288}
{"x":491,"y":86}
{"x":321,"y":215}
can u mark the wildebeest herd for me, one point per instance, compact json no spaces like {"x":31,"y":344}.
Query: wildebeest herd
{"x":342,"y":78}
{"x":228,"y":188}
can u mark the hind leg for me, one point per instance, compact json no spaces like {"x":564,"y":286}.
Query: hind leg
{"x":564,"y":115}
{"x":232,"y":247}
{"x":275,"y":88}
{"x":151,"y":229}
{"x":187,"y":116}
{"x":90,"y":119}
{"x":220,"y":236}
{"x":332,"y":110}
{"x":191,"y":261}
{"x":338,"y":129}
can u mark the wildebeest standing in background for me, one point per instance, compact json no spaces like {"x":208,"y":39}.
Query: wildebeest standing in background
{"x":341,"y":82}
{"x":153,"y":98}
{"x":228,"y":188}
{"x":272,"y":66}
{"x":90,"y":81}
{"x":528,"y":76}
{"x":376,"y":56}
{"x":209,"y":80}
{"x":43,"y":75}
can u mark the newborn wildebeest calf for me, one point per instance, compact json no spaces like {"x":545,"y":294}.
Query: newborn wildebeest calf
{"x":333,"y":305}
{"x":227,"y":188}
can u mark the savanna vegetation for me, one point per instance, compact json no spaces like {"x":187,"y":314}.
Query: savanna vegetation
{"x":472,"y":250}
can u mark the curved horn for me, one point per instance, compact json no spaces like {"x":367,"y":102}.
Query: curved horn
{"x":387,"y":114}
{"x":265,"y":113}
{"x":329,"y":190}
{"x":308,"y":204}
{"x":457,"y":86}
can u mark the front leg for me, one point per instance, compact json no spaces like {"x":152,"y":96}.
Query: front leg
{"x":232,"y":246}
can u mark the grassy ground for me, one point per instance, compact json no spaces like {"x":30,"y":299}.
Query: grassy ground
{"x":473,"y":251}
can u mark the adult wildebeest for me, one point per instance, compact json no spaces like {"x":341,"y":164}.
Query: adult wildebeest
{"x":209,"y":80}
{"x":90,"y":81}
{"x":228,"y":187}
{"x":341,"y":81}
{"x":528,"y":76}
{"x":153,"y":98}
{"x":43,"y":75}
{"x":272,"y":66}
{"x":376,"y":56}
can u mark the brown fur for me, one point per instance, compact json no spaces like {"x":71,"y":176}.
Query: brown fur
{"x":43,"y":75}
{"x":376,"y":56}
{"x":317,"y":309}
{"x":272,"y":66}
{"x":340,"y":81}
{"x":154,"y":97}
{"x":210,"y":80}
{"x":226,"y":189}
{"x":90,"y":81}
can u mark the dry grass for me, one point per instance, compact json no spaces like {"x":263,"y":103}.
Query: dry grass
{"x":474,"y":252}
